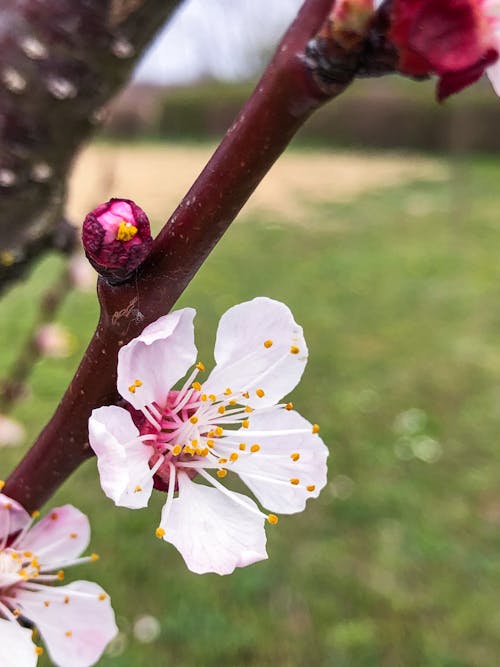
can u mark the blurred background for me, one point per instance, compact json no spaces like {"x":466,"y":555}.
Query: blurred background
{"x":379,"y":228}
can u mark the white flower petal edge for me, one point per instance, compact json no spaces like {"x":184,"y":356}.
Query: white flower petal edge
{"x":122,"y":459}
{"x":60,"y":536}
{"x":152,"y":363}
{"x":16,"y":647}
{"x":13,"y":520}
{"x":212,"y":531}
{"x":289,"y":467}
{"x":75,"y":633}
{"x":258,"y":346}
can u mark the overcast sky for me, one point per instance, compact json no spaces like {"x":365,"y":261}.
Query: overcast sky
{"x":226,"y":39}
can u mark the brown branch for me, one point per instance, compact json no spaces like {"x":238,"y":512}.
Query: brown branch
{"x":60,"y":61}
{"x":289,"y":91}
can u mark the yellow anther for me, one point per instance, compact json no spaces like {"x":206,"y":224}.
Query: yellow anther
{"x":294,"y":349}
{"x":126,"y":231}
{"x":132,"y":389}
{"x":272,"y":518}
{"x":102,"y":597}
{"x":188,"y":450}
{"x":203,"y":397}
{"x":28,"y":554}
{"x":60,"y":575}
{"x":200,"y":366}
{"x":22,"y":573}
{"x":311,"y":487}
{"x":234,"y":457}
{"x":260,"y":393}
{"x":68,"y":633}
{"x":8,"y":506}
{"x":222,"y":461}
{"x":54,"y":516}
{"x":205,"y":451}
{"x":17,"y":612}
{"x":138,"y":383}
{"x":295,"y":481}
{"x":194,"y":443}
{"x":221,"y":409}
{"x":199,"y":451}
{"x":193,"y":420}
{"x":268,"y":343}
{"x":219,"y":431}
{"x":35,"y":514}
{"x":94,"y":557}
{"x":2,"y":484}
{"x":245,"y":423}
{"x":38,"y":650}
{"x":138,"y":489}
{"x":254,"y":448}
{"x":221,"y":473}
{"x":248,"y":409}
{"x":315,"y":428}
{"x":46,"y":603}
{"x":245,"y":394}
{"x":177,"y":449}
{"x":210,"y":443}
{"x":243,"y":446}
{"x":228,"y":391}
{"x":295,"y":456}
{"x":73,"y":536}
{"x":160,"y":532}
{"x":212,"y":397}
{"x":66,"y":600}
{"x":289,"y":406}
{"x":196,"y":386}
{"x":232,"y":402}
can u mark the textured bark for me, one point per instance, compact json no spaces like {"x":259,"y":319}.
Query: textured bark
{"x":60,"y":62}
{"x":291,"y":88}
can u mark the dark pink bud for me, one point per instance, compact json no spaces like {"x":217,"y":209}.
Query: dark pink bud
{"x":117,"y":238}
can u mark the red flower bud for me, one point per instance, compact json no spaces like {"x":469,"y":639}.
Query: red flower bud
{"x":117,"y":238}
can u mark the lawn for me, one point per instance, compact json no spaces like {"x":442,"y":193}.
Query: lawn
{"x":398,"y":562}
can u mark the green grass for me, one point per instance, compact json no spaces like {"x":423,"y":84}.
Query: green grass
{"x":398,"y":562}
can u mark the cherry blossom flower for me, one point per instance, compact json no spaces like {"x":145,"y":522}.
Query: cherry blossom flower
{"x":232,"y":422}
{"x":458,"y":40}
{"x":76,"y":621}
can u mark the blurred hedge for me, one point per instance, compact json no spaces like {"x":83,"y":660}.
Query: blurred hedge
{"x":385,"y":113}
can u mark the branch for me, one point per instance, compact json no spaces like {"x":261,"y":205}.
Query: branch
{"x":60,"y":62}
{"x":289,"y":91}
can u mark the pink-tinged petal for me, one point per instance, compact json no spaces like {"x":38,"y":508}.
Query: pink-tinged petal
{"x":268,"y":472}
{"x":76,"y":625}
{"x":213,"y":532}
{"x":60,"y":536}
{"x":259,"y":346}
{"x":122,"y":460}
{"x":152,"y":363}
{"x":122,"y":210}
{"x":13,"y":517}
{"x":493,"y":73}
{"x":16,"y":647}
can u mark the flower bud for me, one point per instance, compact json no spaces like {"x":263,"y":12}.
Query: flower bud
{"x":117,"y":238}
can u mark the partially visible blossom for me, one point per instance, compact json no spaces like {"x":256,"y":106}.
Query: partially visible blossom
{"x":76,"y":621}
{"x":81,"y":274}
{"x":54,"y":340}
{"x":457,"y":40}
{"x":349,"y":21}
{"x":12,"y":433}
{"x":117,"y":238}
{"x":232,"y":422}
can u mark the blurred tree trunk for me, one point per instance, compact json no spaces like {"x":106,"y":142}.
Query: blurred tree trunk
{"x":60,"y":62}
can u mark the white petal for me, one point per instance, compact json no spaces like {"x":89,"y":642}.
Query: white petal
{"x":268,"y":472}
{"x":122,"y":469}
{"x":75,"y":632}
{"x":493,"y":72}
{"x":244,"y":363}
{"x":158,"y":358}
{"x":16,"y":647}
{"x":13,"y":517}
{"x":60,"y":536}
{"x":212,"y":532}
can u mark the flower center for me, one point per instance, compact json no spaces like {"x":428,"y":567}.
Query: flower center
{"x":126,"y":231}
